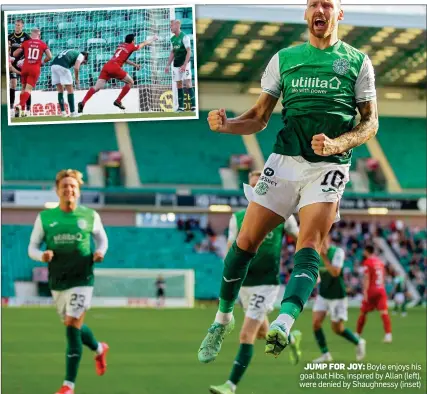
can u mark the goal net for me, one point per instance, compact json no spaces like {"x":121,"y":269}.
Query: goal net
{"x":116,"y":287}
{"x":100,"y":32}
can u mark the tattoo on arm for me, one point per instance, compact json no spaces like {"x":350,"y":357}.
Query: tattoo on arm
{"x":364,"y":131}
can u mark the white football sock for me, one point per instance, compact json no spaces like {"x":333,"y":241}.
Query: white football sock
{"x":69,"y":384}
{"x":223,"y":318}
{"x":232,"y":385}
{"x":286,"y":320}
{"x":100,"y":349}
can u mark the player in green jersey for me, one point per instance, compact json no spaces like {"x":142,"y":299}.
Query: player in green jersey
{"x":181,"y":71}
{"x":62,"y":78}
{"x":323,"y":83}
{"x":66,"y":232}
{"x":258,"y":294}
{"x":332,"y":299}
{"x":399,"y":295}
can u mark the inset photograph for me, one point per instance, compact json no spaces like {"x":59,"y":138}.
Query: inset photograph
{"x":108,"y":64}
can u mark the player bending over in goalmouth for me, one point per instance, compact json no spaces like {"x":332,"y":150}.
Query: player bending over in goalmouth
{"x":33,"y":51}
{"x":66,"y":231}
{"x":258,"y":293}
{"x":113,"y":69}
{"x":61,"y":76}
{"x":309,"y":166}
{"x":332,"y":299}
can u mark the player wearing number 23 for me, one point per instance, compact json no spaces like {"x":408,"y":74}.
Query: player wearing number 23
{"x":66,"y":231}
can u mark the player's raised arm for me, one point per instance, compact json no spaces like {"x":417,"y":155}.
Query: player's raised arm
{"x":36,"y":239}
{"x":147,"y":42}
{"x":256,"y":118}
{"x":367,"y":128}
{"x":100,"y":238}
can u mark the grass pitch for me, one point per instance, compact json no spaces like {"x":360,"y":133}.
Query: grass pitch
{"x":155,"y":352}
{"x":106,"y":117}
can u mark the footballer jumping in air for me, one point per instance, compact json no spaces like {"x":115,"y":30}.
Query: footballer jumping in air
{"x":66,"y":231}
{"x":323,"y":83}
{"x":33,"y":50}
{"x":180,"y":56}
{"x":332,"y":299}
{"x":374,"y":292}
{"x":15,"y":40}
{"x":113,"y":69}
{"x":62,"y":78}
{"x":258,"y":293}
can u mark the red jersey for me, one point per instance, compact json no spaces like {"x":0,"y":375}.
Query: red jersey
{"x":123,"y":52}
{"x":375,"y":269}
{"x":33,"y":52}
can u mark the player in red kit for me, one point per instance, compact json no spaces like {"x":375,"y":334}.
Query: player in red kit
{"x":374,"y":293}
{"x":33,"y":52}
{"x":113,"y":69}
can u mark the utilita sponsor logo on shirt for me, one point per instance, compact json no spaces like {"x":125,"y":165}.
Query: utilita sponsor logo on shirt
{"x":315,"y":85}
{"x":67,"y":238}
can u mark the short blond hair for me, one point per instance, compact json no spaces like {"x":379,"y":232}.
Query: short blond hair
{"x":176,"y":21}
{"x":77,"y":175}
{"x":255,"y":173}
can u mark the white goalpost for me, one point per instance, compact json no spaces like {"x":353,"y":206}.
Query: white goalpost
{"x":121,"y":287}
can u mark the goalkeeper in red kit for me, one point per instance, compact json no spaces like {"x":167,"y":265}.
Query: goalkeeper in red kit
{"x":113,"y":69}
{"x":33,"y":49}
{"x":374,"y":293}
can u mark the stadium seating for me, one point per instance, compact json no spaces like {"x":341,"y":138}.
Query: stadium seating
{"x":36,"y":153}
{"x":98,"y":32}
{"x":152,"y":248}
{"x":162,"y":148}
{"x":400,"y":138}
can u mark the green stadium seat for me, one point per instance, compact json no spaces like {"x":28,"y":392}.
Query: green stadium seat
{"x":62,"y":26}
{"x":106,"y":25}
{"x":42,"y":146}
{"x":410,"y":168}
{"x":191,"y":145}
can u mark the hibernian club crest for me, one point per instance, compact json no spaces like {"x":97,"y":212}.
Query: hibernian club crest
{"x":82,"y":223}
{"x":261,"y":188}
{"x":341,"y":66}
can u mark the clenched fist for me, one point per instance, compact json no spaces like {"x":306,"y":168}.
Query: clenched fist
{"x":98,"y":257}
{"x":217,"y":120}
{"x":323,"y":145}
{"x":47,"y":256}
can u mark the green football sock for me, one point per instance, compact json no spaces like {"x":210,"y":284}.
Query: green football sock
{"x":88,"y":338}
{"x":404,"y":306}
{"x":71,"y":102}
{"x":301,"y":283}
{"x":190,"y":92}
{"x":348,"y":334}
{"x":321,"y":340}
{"x":236,"y":266}
{"x":61,"y":101}
{"x":74,"y":353}
{"x":241,"y":362}
{"x":180,"y":98}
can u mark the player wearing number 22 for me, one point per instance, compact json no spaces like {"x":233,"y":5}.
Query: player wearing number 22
{"x":113,"y":69}
{"x":66,"y":231}
{"x":332,"y":299}
{"x":258,"y":294}
{"x":322,"y":83}
{"x":374,"y":292}
{"x":33,"y":52}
